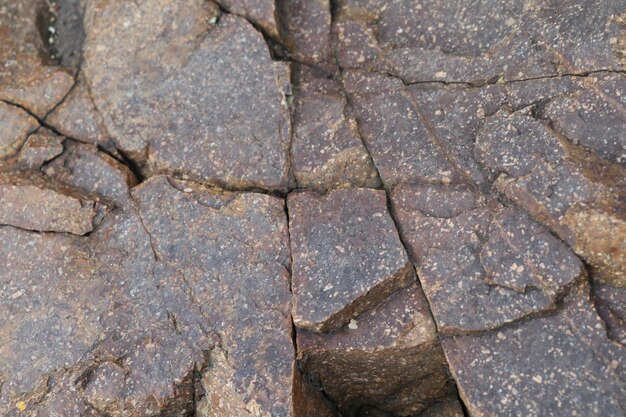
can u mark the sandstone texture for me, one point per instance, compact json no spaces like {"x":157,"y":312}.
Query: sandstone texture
{"x":299,"y":208}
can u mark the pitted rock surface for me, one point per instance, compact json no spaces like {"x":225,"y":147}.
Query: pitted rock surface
{"x":347,"y":208}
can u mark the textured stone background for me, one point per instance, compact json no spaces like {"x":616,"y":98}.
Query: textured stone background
{"x":312,"y":208}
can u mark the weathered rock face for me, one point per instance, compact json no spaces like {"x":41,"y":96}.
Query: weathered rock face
{"x":386,"y":360}
{"x":28,"y":76}
{"x":326,"y":151}
{"x":216,"y":208}
{"x":482,"y":265}
{"x":426,"y":40}
{"x":223,"y":121}
{"x":31,"y":202}
{"x":528,"y":368}
{"x":347,"y":256}
{"x":17,"y":125}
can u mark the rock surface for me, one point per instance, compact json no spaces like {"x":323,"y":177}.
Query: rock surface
{"x":218,"y":208}
{"x":347,"y":256}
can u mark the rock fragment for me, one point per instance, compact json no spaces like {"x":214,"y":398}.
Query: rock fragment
{"x":347,"y":256}
{"x":306,"y":31}
{"x":327,"y":150}
{"x":77,"y":116}
{"x":482,"y":265}
{"x":29,"y":201}
{"x":388,"y":360}
{"x":222,"y":121}
{"x":40,"y":147}
{"x":17,"y":125}
{"x":261,"y":12}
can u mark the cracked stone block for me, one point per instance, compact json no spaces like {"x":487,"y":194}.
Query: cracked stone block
{"x":386,"y":360}
{"x":578,"y":195}
{"x":17,"y":125}
{"x":427,"y":40}
{"x":28,"y":77}
{"x":594,"y":117}
{"x":29,"y":201}
{"x":456,"y":114}
{"x":481,"y":264}
{"x":394,"y":131}
{"x":128,"y":318}
{"x":222,"y":121}
{"x":261,"y":13}
{"x":77,"y":117}
{"x":306,"y":31}
{"x":84,"y":167}
{"x":558,"y":365}
{"x":347,"y":256}
{"x":309,"y":401}
{"x":40,"y":147}
{"x":327,"y":150}
{"x":611,"y":304}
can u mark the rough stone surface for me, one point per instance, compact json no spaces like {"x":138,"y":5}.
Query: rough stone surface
{"x":347,"y":256}
{"x":327,"y":150}
{"x":77,"y":116}
{"x":386,"y":360}
{"x":28,"y":76}
{"x":482,"y":265}
{"x":217,"y":208}
{"x":223,"y":121}
{"x":561,"y":364}
{"x":574,"y":192}
{"x":31,"y":202}
{"x":40,"y":147}
{"x":17,"y":125}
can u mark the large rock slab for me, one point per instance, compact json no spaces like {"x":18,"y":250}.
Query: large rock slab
{"x":327,"y":150}
{"x":558,"y":365}
{"x":222,"y":121}
{"x":133,"y":315}
{"x":387,"y":360}
{"x":347,"y":256}
{"x":482,"y":265}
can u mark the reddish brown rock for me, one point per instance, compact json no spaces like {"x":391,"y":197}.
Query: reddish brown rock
{"x":31,"y":202}
{"x":426,"y":40}
{"x":40,"y":147}
{"x":17,"y":125}
{"x":28,"y":76}
{"x":222,"y":121}
{"x":347,"y":256}
{"x":327,"y":150}
{"x":482,"y":265}
{"x":572,"y":191}
{"x":155,"y":319}
{"x":558,"y":365}
{"x":387,"y":359}
{"x":84,"y":167}
{"x":261,"y":12}
{"x":309,"y":401}
{"x":77,"y":117}
{"x":394,"y":131}
{"x":306,"y":31}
